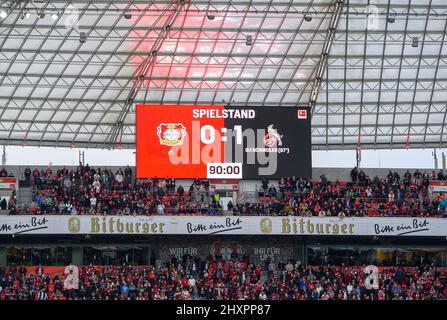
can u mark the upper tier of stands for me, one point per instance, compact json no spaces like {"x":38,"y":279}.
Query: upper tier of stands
{"x":88,"y":190}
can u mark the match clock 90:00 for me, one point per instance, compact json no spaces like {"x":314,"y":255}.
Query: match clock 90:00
{"x":224,"y":170}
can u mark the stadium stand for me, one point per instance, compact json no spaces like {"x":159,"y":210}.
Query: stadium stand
{"x":216,"y":279}
{"x":89,"y":190}
{"x":228,"y":120}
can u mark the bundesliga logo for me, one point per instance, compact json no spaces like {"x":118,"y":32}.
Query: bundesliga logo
{"x":272,"y":138}
{"x":171,"y":134}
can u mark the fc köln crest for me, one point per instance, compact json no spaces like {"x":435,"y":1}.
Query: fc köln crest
{"x":171,"y":134}
{"x":272,"y":138}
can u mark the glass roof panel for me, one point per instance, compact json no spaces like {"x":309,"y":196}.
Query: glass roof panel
{"x":381,"y":80}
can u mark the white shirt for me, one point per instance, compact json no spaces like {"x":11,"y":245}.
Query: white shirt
{"x":97,"y":185}
{"x":349,"y":287}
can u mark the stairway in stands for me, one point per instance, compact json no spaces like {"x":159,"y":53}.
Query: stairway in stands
{"x":25,"y":195}
{"x":264,"y":276}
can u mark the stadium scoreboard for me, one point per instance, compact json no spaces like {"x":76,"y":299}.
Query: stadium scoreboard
{"x":220,"y":142}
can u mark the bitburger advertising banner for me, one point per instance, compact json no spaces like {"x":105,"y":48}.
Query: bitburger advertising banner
{"x":226,"y":225}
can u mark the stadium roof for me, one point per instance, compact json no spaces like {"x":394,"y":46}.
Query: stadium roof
{"x":382,"y":85}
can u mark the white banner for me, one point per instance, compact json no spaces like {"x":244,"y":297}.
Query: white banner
{"x":438,"y":186}
{"x":8,"y":183}
{"x":259,"y":225}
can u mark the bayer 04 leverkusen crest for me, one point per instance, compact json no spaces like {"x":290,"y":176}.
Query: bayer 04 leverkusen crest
{"x":171,"y":134}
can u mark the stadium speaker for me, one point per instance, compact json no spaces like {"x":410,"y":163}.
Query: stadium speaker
{"x":82,"y":37}
{"x":307,"y":17}
{"x":415,"y":42}
{"x":249,"y":40}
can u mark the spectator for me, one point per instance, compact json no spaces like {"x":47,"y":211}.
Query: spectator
{"x":3,"y":204}
{"x":161,"y":209}
{"x":354,"y":174}
{"x":442,"y":205}
{"x":230,"y":205}
{"x":3,"y":173}
{"x":128,"y":174}
{"x":27,"y":176}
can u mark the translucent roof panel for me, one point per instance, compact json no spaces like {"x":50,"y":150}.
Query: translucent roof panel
{"x":382,"y":86}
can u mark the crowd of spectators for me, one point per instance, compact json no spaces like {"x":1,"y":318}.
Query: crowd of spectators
{"x":8,"y":201}
{"x":362,"y":196}
{"x":87,"y":190}
{"x":238,"y":279}
{"x":4,"y":173}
